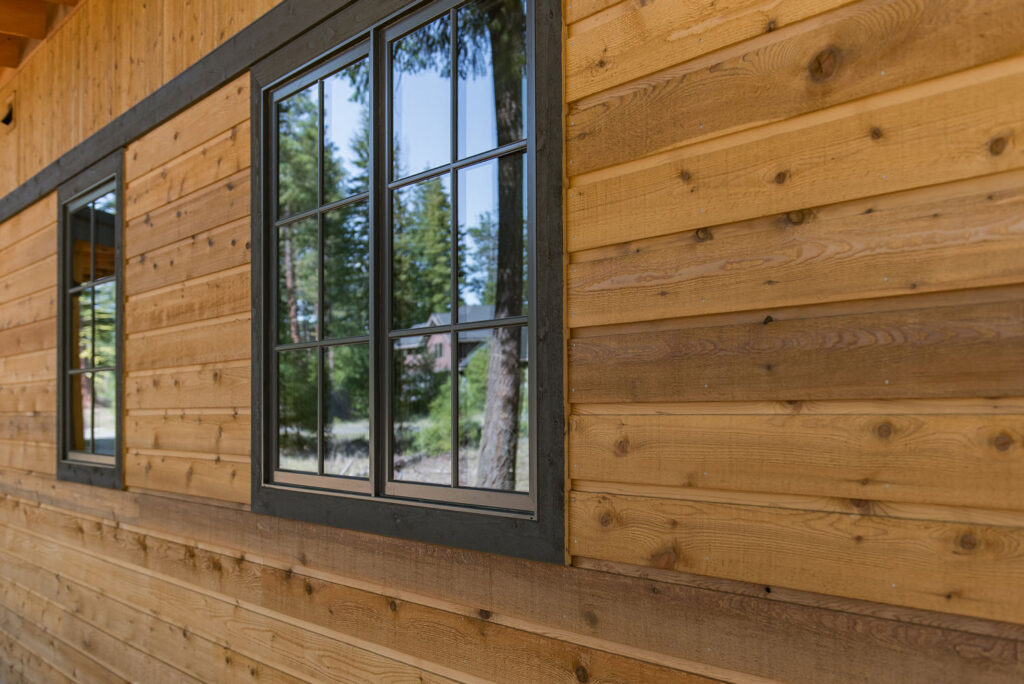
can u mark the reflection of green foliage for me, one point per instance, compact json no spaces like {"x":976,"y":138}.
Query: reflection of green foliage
{"x":298,"y":136}
{"x":297,"y":407}
{"x":348,"y":382}
{"x":421,"y":252}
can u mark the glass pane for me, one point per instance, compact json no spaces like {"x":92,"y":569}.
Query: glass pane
{"x":493,"y":239}
{"x":347,"y":271}
{"x":422,"y":409}
{"x":105,"y":412}
{"x":105,"y":302}
{"x":492,"y":75}
{"x":494,"y":433}
{"x":298,"y":136}
{"x":81,"y":322}
{"x":421,"y":105}
{"x":297,"y":410}
{"x":346,"y":132}
{"x":103,"y":238}
{"x":297,"y":282}
{"x":80,"y":409}
{"x":347,"y":410}
{"x":81,"y":246}
{"x":421,"y":259}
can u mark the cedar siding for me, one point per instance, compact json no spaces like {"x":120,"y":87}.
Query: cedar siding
{"x":794,"y":314}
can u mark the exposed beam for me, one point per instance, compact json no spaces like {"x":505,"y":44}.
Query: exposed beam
{"x":26,"y":18}
{"x":10,"y":51}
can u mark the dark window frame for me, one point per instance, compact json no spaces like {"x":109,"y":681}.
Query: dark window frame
{"x":537,"y":533}
{"x":104,"y":472}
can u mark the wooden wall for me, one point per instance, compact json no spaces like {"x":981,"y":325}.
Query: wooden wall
{"x":751,"y":501}
{"x":103,"y":59}
{"x":796,"y":296}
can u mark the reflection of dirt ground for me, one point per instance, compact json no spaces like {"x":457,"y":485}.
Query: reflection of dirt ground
{"x":436,"y":468}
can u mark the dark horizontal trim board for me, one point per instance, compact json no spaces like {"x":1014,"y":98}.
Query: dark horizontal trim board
{"x":274,"y":29}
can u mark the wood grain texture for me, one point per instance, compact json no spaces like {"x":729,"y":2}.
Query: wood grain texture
{"x":223,"y":385}
{"x":963,"y":235}
{"x":208,"y":478}
{"x":950,"y":351}
{"x":924,"y":564}
{"x":948,"y":460}
{"x":208,"y":433}
{"x":219,"y":294}
{"x":213,"y":206}
{"x":634,"y":40}
{"x":209,"y":341}
{"x":29,"y":309}
{"x":935,"y":132}
{"x":191,"y":257}
{"x":874,"y":47}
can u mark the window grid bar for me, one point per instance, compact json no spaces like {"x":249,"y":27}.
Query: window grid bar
{"x":81,"y":287}
{"x":92,"y":328}
{"x":309,"y":213}
{"x":86,"y":371}
{"x":502,"y":151}
{"x":328,"y":342}
{"x":453,"y":348}
{"x":320,"y":408}
{"x":461,"y":327}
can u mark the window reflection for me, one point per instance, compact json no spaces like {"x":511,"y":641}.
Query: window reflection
{"x":297,"y":282}
{"x":421,"y":99}
{"x":422,"y":409}
{"x":298,"y":136}
{"x":297,"y":410}
{"x":492,"y":75}
{"x":421,"y":261}
{"x":347,"y":410}
{"x":346,"y":132}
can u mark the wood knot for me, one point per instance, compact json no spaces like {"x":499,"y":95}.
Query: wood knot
{"x":997,"y":146}
{"x":1002,"y":442}
{"x":795,"y":218}
{"x":666,"y":560}
{"x":876,"y":133}
{"x":884,"y":430}
{"x":770,"y":26}
{"x":768,"y":319}
{"x":392,"y":606}
{"x":860,"y":504}
{"x":968,"y":542}
{"x":685,"y":176}
{"x":590,"y":617}
{"x":582,"y":675}
{"x":309,"y":589}
{"x":484,"y":614}
{"x":703,"y":235}
{"x":605,"y":519}
{"x":824,"y":65}
{"x":781,"y":177}
{"x":622,"y":447}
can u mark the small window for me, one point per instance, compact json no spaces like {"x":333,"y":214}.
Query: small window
{"x":89,"y":322}
{"x":396,"y":363}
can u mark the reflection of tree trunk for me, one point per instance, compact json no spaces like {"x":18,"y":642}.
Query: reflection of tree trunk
{"x":289,"y":284}
{"x":500,"y":437}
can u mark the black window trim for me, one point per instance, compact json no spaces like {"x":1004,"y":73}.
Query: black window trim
{"x":538,"y":535}
{"x":100,"y":471}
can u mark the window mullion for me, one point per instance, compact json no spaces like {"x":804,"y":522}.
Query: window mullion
{"x":453,"y":338}
{"x":380,"y":373}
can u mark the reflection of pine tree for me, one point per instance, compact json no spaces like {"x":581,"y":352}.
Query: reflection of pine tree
{"x":421,"y":252}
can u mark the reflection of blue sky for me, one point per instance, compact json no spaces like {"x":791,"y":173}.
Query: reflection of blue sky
{"x":343,"y":117}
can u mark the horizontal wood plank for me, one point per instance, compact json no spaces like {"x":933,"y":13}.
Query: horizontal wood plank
{"x":952,"y":567}
{"x":210,"y":341}
{"x":635,"y":40}
{"x":202,"y":477}
{"x":940,"y":131}
{"x":946,"y":351}
{"x":29,"y":309}
{"x":30,"y":220}
{"x":30,"y":367}
{"x":208,"y":433}
{"x":213,"y":386}
{"x":218,"y":112}
{"x":205,"y":253}
{"x":39,"y":277}
{"x":874,"y":46}
{"x":28,"y":456}
{"x":219,"y":157}
{"x":957,"y":236}
{"x":215,"y":205}
{"x":219,"y":294}
{"x":29,"y":250}
{"x":948,"y":460}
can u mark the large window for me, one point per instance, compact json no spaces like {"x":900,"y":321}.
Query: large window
{"x":398,"y":241}
{"x":89,"y":321}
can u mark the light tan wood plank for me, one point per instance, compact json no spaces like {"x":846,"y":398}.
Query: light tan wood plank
{"x":211,"y":341}
{"x":940,"y":131}
{"x":939,"y":566}
{"x":948,"y":460}
{"x":209,"y":433}
{"x":29,"y":309}
{"x":215,"y":205}
{"x":964,"y":235}
{"x":219,"y":294}
{"x":221,"y":156}
{"x":200,"y":477}
{"x":863,"y":49}
{"x":223,"y":385}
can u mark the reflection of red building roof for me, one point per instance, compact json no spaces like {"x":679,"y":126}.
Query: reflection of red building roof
{"x":469,"y":340}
